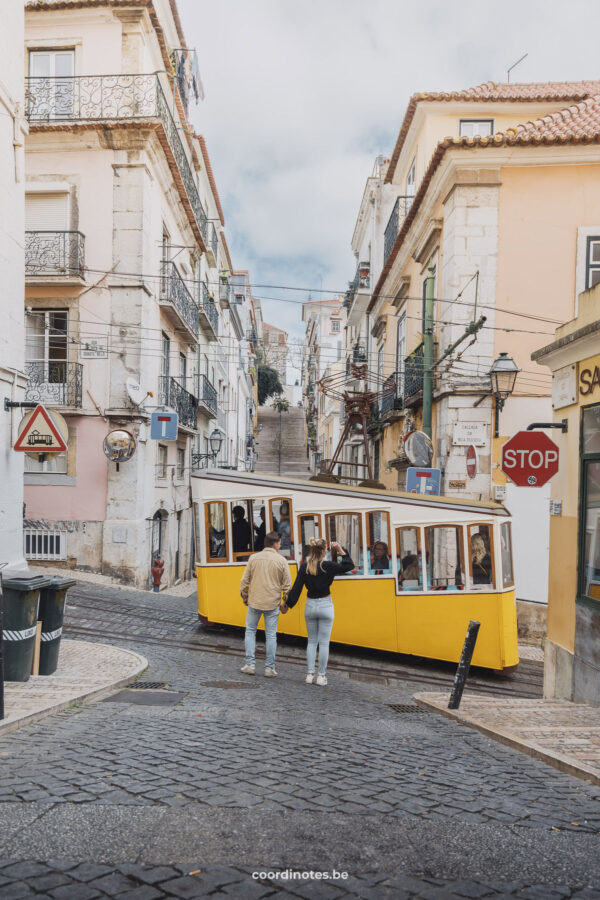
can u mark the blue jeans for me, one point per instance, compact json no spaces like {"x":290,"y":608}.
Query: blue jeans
{"x":319,"y":622}
{"x":252,"y":619}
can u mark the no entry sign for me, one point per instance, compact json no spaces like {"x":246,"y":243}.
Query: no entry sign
{"x":530,"y":459}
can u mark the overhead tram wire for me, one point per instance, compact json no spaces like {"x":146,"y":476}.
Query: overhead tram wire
{"x":312,"y":290}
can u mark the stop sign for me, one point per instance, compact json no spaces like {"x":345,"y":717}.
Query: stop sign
{"x":530,"y":459}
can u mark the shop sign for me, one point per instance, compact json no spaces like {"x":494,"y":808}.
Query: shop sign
{"x":457,"y":485}
{"x":466,"y":433}
{"x":589,"y":380}
{"x":564,"y":387}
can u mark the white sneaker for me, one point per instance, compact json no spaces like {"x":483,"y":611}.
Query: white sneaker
{"x":322,"y":679}
{"x":270,"y":672}
{"x":309,"y":678}
{"x":248,"y":669}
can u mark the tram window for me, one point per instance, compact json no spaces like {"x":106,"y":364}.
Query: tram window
{"x":345,"y":528}
{"x":217,"y":549}
{"x":508,"y":578}
{"x":481,"y":556}
{"x":445,"y":557}
{"x":242,"y":531}
{"x":410,"y":564}
{"x":197,"y":542}
{"x":258,"y":520}
{"x":378,"y":543}
{"x":310,"y":527}
{"x":281,"y":521}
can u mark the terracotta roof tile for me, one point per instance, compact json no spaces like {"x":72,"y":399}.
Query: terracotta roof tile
{"x":492,"y":91}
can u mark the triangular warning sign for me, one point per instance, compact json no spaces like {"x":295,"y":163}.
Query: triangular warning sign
{"x":40,"y":434}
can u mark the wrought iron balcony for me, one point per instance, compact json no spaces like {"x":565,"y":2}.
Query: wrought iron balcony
{"x":55,"y":253}
{"x":176,"y":298}
{"x":391,"y":394}
{"x":109,"y":97}
{"x":209,"y":314}
{"x":213,"y":242}
{"x":173,"y":395}
{"x":207,"y":396}
{"x":413,"y":372}
{"x":399,"y":213}
{"x":54,"y":383}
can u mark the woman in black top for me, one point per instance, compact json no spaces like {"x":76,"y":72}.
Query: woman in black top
{"x":317,"y":574}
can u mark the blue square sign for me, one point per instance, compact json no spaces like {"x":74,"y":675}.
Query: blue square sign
{"x":422,"y":480}
{"x":163,"y":426}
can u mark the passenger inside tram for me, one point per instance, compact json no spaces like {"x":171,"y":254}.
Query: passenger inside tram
{"x":481,"y":560}
{"x":380,"y":558}
{"x":259,"y":531}
{"x":241,"y":530}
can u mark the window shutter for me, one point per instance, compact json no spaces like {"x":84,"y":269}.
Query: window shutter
{"x":47,"y":211}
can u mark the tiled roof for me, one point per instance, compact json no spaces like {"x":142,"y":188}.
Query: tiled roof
{"x":575,"y":124}
{"x":492,"y":91}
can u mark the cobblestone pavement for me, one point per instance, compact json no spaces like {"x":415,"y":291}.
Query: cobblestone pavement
{"x":566,"y":733}
{"x":218,"y":784}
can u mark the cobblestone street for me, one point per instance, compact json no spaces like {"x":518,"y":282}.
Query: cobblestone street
{"x":212,"y":783}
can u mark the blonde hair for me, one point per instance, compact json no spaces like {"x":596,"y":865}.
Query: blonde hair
{"x":316,"y":554}
{"x":477,"y":548}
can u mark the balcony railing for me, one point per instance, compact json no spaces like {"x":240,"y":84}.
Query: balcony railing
{"x":54,"y":383}
{"x":54,"y":253}
{"x":173,"y":290}
{"x":207,"y":395}
{"x":213,"y":241}
{"x":171,"y":394}
{"x":391,"y":394}
{"x":399,"y":213}
{"x":413,"y":371}
{"x":208,"y":307}
{"x":121,"y":97}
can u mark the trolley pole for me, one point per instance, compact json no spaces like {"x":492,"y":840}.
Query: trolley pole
{"x":464,"y":665}
{"x":428,"y":360}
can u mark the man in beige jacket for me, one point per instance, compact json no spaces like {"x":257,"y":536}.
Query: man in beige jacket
{"x":265,"y":585}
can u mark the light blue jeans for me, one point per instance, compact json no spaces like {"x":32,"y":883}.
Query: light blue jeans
{"x":319,"y":622}
{"x":252,"y":619}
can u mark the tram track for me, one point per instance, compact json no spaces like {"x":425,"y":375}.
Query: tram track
{"x":529,"y":686}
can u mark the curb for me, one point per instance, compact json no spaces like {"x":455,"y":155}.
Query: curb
{"x":6,"y":727}
{"x":558,"y":761}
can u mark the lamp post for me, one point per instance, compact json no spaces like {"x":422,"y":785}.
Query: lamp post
{"x":503,"y":375}
{"x":215,"y":440}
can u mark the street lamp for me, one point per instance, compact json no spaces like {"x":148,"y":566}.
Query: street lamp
{"x":215,"y":440}
{"x":503,"y":375}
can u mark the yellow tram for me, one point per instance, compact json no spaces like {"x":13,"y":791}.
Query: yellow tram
{"x":424,"y":565}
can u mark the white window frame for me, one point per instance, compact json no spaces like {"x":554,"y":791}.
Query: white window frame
{"x":411,"y":179}
{"x":475,"y":122}
{"x":162,"y":456}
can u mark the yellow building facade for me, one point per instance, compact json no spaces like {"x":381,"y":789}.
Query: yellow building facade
{"x":572,"y":656}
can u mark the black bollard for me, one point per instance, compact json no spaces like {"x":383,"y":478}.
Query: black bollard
{"x":464,"y":665}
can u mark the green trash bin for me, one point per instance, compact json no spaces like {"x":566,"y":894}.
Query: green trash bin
{"x":52,"y":614}
{"x":21,"y":596}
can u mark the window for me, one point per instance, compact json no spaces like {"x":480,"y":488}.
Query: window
{"x":245,"y":531}
{"x":165,"y":355}
{"x":589,"y":565}
{"x":592,"y":262}
{"x":47,"y":211}
{"x":310,"y":527}
{"x":345,"y":528}
{"x":161,"y":468}
{"x":180,"y":462}
{"x":481,"y":557}
{"x":508,"y":579}
{"x":46,"y":345}
{"x":410,"y":563}
{"x":480,"y":127}
{"x":217,"y":538}
{"x":378,"y":542}
{"x":409,"y":188}
{"x":400,"y":354}
{"x":281,"y":521}
{"x":53,"y":464}
{"x":445,"y":557}
{"x":380,"y":361}
{"x":335,"y":326}
{"x":51,"y":92}
{"x":183,"y":369}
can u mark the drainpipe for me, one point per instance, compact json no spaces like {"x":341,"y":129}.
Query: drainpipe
{"x":428,"y":353}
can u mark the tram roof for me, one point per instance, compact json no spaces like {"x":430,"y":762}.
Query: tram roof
{"x":491,"y":507}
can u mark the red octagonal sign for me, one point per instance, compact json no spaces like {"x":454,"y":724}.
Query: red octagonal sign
{"x":530,"y":459}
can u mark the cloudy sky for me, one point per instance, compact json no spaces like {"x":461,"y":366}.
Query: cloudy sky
{"x":302,"y":95}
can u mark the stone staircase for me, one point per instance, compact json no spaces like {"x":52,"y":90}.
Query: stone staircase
{"x":282,"y":452}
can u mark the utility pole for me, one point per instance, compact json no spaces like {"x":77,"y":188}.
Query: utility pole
{"x":428,"y":352}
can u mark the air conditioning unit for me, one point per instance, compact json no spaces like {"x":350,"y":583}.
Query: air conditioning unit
{"x":500,"y":492}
